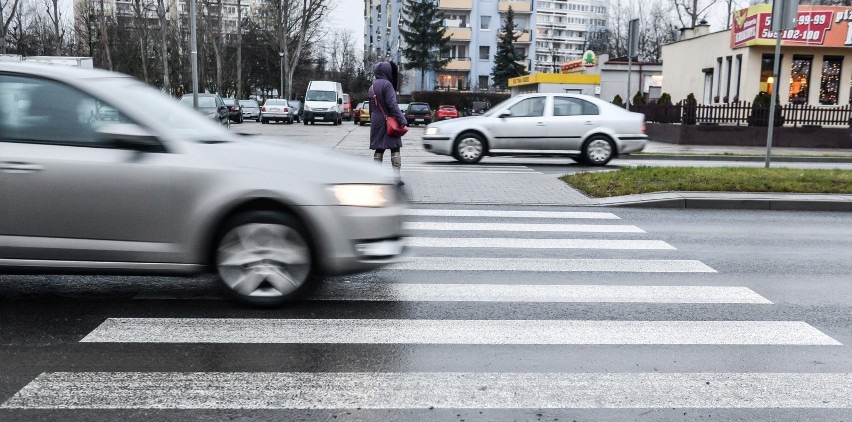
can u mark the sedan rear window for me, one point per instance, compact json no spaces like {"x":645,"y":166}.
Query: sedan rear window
{"x":418,"y":107}
{"x":275,"y":103}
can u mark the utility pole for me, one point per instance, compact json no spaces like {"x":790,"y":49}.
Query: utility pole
{"x":784,"y":14}
{"x":632,"y":48}
{"x":193,"y":53}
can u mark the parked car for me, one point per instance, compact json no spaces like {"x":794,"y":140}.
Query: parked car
{"x":584,"y":128}
{"x":295,"y":110}
{"x":364,"y":113}
{"x":164,"y":190}
{"x":347,"y":107}
{"x":479,"y":107}
{"x":251,"y":109}
{"x":235,"y":110}
{"x":445,"y":112}
{"x":212,"y":106}
{"x":418,"y":113}
{"x":276,"y":110}
{"x":323,"y":103}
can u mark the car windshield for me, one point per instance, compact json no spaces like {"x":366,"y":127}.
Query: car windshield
{"x":203,"y":102}
{"x":275,"y":103}
{"x":182,"y":121}
{"x":320,"y":96}
{"x":248,"y":103}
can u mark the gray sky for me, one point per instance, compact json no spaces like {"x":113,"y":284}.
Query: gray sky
{"x":349,"y":14}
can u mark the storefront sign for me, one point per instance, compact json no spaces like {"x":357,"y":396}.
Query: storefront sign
{"x":572,"y":66}
{"x":822,"y":26}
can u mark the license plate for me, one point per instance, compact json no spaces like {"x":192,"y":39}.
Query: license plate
{"x":419,"y":120}
{"x":320,"y":118}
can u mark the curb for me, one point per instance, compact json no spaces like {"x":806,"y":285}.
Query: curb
{"x":686,"y":201}
{"x":815,"y":159}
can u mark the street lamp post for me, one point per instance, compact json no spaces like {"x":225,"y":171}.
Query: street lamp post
{"x":553,"y":58}
{"x":281,"y":65}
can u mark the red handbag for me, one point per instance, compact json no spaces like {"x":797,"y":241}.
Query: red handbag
{"x":393,"y":126}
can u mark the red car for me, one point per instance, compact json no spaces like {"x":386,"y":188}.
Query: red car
{"x":446,"y":112}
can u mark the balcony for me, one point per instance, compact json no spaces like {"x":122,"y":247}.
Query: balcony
{"x":455,"y":4}
{"x":523,"y":39}
{"x":458,"y":64}
{"x":519,"y":6}
{"x":459,"y":34}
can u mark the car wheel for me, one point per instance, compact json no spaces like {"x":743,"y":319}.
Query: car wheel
{"x":598,"y":150}
{"x":265,"y":258}
{"x":305,"y":122}
{"x":263,"y":121}
{"x":469,"y":148}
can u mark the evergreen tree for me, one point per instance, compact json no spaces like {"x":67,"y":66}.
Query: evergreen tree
{"x":506,"y":60}
{"x":425,"y":37}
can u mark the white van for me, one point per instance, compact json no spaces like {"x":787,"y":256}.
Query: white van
{"x":323,"y":103}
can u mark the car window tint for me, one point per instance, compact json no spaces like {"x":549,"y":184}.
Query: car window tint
{"x":566,"y":106}
{"x":530,"y":107}
{"x":43,"y":111}
{"x":419,"y":107}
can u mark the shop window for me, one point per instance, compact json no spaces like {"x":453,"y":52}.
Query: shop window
{"x":739,"y":75}
{"x":767,"y":81}
{"x":829,"y":86}
{"x":800,"y":77}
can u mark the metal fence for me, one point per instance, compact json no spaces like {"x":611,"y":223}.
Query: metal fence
{"x":745,"y":114}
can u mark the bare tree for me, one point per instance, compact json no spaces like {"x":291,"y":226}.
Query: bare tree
{"x":8,"y":9}
{"x":689,"y":12}
{"x":55,"y":17}
{"x":104,"y":37}
{"x":162,"y":10}
{"x":239,"y":50}
{"x":296,"y":21}
{"x":141,"y":13}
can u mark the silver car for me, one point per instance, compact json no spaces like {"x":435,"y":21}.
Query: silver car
{"x":584,"y":128}
{"x":157,"y":188}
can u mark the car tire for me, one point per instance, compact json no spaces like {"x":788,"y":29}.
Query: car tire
{"x":265,"y":258}
{"x":305,"y":122}
{"x":263,"y":121}
{"x":362,"y":123}
{"x":598,"y":150}
{"x":469,"y":148}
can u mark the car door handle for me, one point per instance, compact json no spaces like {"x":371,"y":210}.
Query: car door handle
{"x":17,"y":167}
{"x":589,"y":122}
{"x":540,"y":124}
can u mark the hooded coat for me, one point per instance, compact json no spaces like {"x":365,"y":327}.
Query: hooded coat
{"x":384,"y":91}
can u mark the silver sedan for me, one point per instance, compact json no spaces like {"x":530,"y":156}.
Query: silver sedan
{"x":157,"y":188}
{"x":584,"y":128}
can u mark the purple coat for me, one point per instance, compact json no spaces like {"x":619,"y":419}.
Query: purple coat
{"x":386,"y":95}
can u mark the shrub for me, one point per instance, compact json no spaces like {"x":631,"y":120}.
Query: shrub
{"x":639,"y":98}
{"x":760,"y":111}
{"x":665,"y":99}
{"x":689,"y":111}
{"x":618,"y":101}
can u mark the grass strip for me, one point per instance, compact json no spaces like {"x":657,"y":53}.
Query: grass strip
{"x":644,"y":179}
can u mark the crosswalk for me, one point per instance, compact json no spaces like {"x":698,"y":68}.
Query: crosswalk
{"x":539,"y":258}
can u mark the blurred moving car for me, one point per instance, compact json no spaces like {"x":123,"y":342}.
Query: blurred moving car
{"x":418,"y":113}
{"x":364,"y":113}
{"x":584,"y":128}
{"x":295,"y":110}
{"x":347,"y":107}
{"x":235,"y":109}
{"x":212,"y":106}
{"x":276,"y":110}
{"x":162,"y":190}
{"x":445,"y":112}
{"x":251,"y":109}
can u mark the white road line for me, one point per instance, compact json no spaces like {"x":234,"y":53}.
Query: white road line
{"x":409,"y":170}
{"x":493,"y":332}
{"x":553,"y":265}
{"x":466,"y":167}
{"x":513,"y":227}
{"x":428,"y":390}
{"x":510,"y":214}
{"x":519,"y":243}
{"x":405,"y":292}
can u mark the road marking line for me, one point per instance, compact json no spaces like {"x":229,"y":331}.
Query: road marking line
{"x":553,"y":265}
{"x":405,"y":292}
{"x":519,"y":243}
{"x":513,"y":227}
{"x":409,"y":170}
{"x":480,"y":332}
{"x":510,"y":214}
{"x":431,"y":390}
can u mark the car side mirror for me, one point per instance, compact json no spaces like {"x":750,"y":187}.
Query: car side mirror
{"x":340,"y":101}
{"x":506,"y":113}
{"x":225,"y":108}
{"x":129,"y":136}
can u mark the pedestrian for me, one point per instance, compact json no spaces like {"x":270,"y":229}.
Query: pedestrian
{"x":383,"y":100}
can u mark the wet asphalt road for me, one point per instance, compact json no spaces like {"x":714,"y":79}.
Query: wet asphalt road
{"x":569,"y":340}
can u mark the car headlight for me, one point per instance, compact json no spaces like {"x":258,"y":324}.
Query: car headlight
{"x":306,"y":108}
{"x":432,"y":131}
{"x":372,"y":196}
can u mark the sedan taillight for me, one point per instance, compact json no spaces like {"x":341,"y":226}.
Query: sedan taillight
{"x":286,"y":110}
{"x":263,"y":109}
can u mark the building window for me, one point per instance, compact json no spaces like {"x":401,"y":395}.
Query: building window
{"x":718,"y":79}
{"x":485,"y":53}
{"x":729,"y":75}
{"x":708,"y":86}
{"x":767,"y":81}
{"x":483,"y":82}
{"x":829,"y":86}
{"x":800,"y":77}
{"x":739,"y":75}
{"x":485,"y":23}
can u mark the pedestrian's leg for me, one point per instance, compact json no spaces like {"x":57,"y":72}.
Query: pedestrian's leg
{"x":379,"y":155}
{"x":396,"y":162}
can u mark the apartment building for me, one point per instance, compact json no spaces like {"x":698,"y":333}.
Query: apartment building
{"x":565,"y":29}
{"x":473,"y":27}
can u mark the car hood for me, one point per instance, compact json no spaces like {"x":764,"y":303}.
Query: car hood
{"x":320,"y":104}
{"x":316,"y":164}
{"x":460,"y":123}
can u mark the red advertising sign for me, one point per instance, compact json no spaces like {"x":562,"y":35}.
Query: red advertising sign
{"x":816,"y":26}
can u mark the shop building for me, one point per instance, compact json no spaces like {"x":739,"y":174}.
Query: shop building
{"x":737,"y":64}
